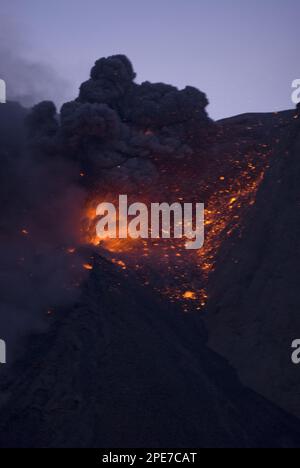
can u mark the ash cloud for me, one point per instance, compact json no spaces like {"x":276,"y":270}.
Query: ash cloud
{"x":40,"y":214}
{"x":116,"y":128}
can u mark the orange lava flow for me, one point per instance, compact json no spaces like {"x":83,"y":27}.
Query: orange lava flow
{"x":223,"y":216}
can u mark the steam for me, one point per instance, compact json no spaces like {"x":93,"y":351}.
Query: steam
{"x":28,"y":81}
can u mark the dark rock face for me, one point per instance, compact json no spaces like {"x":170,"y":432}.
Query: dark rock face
{"x":123,"y":369}
{"x":253,"y":316}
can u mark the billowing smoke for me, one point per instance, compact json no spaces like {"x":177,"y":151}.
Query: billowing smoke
{"x":110,"y":82}
{"x":40,"y":224}
{"x":116,"y":128}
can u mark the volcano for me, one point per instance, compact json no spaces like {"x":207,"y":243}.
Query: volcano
{"x":116,"y":340}
{"x":124,"y":369}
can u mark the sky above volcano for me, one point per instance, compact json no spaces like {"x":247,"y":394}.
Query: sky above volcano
{"x":243,"y":54}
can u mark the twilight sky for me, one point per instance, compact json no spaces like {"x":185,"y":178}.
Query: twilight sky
{"x":243,"y":54}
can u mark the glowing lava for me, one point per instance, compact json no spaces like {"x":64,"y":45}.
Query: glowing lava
{"x":223,"y":216}
{"x":165,"y":264}
{"x":189,"y":295}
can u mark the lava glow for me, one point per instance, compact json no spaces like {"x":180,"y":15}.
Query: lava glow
{"x":165,"y":264}
{"x":190,"y":295}
{"x":90,"y":236}
{"x":223,"y":215}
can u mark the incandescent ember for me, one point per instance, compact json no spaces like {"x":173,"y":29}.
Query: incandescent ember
{"x":229,"y":188}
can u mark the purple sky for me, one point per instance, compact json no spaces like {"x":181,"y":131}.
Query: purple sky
{"x":243,"y":54}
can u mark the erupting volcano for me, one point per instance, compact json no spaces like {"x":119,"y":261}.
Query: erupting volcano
{"x":227,"y":183}
{"x":113,"y":325}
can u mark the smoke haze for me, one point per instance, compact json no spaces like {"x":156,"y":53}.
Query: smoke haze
{"x":28,"y":81}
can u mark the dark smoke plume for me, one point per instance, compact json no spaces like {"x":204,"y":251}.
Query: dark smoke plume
{"x":40,"y":213}
{"x":116,"y":128}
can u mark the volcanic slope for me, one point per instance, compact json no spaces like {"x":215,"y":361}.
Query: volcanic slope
{"x":253,"y":313}
{"x":124,"y":369}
